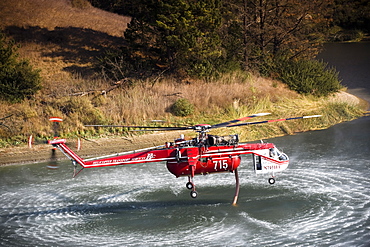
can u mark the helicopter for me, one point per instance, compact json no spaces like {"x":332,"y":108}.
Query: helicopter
{"x":202,"y":155}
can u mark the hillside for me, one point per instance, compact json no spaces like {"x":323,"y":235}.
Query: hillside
{"x":52,"y":14}
{"x":58,"y":37}
{"x":64,"y":42}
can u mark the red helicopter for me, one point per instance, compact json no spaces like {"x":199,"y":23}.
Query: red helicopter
{"x":202,"y":155}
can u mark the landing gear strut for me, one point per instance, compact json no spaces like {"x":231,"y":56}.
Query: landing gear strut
{"x":237,"y":187}
{"x":190,"y":185}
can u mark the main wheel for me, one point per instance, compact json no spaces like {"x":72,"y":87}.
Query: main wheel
{"x":271,"y":180}
{"x":189,"y":185}
{"x":193,"y":194}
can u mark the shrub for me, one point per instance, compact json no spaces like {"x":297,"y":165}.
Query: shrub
{"x":118,"y":64}
{"x":182,"y":108}
{"x":18,"y":80}
{"x":309,"y":77}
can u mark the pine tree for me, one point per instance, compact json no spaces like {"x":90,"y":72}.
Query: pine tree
{"x":18,"y":80}
{"x":274,"y":27}
{"x":177,"y":35}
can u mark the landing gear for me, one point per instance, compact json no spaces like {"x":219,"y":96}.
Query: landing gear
{"x":190,"y":185}
{"x":193,"y":194}
{"x":271,"y":180}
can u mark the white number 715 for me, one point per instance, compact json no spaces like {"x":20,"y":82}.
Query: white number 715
{"x":221,"y":164}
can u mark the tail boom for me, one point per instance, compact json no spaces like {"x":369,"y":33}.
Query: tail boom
{"x":61,"y":145}
{"x":127,"y":158}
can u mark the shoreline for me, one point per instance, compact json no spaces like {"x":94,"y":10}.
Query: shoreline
{"x":104,"y":146}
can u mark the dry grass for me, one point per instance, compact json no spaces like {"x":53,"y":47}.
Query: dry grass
{"x":50,"y":14}
{"x":138,"y":105}
{"x":146,"y":101}
{"x":58,"y":38}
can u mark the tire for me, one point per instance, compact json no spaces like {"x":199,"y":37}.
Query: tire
{"x":189,"y":185}
{"x":271,"y":180}
{"x":193,"y":194}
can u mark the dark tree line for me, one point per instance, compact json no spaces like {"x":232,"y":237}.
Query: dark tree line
{"x":199,"y":38}
{"x":189,"y":38}
{"x":352,"y":14}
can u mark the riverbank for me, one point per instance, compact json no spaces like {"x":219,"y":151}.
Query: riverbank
{"x":108,"y":145}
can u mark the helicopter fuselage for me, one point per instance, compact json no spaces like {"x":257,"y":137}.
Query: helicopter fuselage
{"x":184,"y":160}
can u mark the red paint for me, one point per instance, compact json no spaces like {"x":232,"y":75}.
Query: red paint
{"x":204,"y":166}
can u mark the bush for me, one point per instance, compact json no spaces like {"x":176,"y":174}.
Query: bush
{"x":118,"y":64}
{"x":79,"y":109}
{"x":18,"y":80}
{"x":309,"y":77}
{"x":182,"y":108}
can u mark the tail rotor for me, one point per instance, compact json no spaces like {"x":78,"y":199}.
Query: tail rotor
{"x":53,"y":164}
{"x":56,"y":125}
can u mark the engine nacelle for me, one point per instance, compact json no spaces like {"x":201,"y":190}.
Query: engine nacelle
{"x":223,"y":140}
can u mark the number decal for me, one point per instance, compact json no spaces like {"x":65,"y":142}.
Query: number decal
{"x":224,"y":164}
{"x":220,"y":164}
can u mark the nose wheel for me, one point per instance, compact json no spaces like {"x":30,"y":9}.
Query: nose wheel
{"x":271,"y":180}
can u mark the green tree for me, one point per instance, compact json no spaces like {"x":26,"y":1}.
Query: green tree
{"x":352,"y":14}
{"x":178,"y":35}
{"x":280,"y":26}
{"x":18,"y":80}
{"x":183,"y":37}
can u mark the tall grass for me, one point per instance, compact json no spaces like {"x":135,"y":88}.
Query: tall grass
{"x":230,"y":97}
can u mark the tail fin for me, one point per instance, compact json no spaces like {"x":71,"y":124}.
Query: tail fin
{"x":60,"y":144}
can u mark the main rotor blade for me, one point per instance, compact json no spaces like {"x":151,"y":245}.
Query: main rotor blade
{"x":159,"y":128}
{"x":226,"y":124}
{"x":143,"y":128}
{"x":271,"y":121}
{"x":165,"y":129}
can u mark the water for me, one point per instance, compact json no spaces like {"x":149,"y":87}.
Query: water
{"x":352,"y":60}
{"x":322,"y":199}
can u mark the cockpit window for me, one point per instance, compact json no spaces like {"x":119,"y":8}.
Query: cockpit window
{"x":275,"y":153}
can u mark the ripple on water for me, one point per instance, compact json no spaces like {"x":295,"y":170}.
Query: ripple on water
{"x":310,"y":202}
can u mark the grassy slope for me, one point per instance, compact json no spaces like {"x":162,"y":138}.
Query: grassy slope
{"x":64,"y":42}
